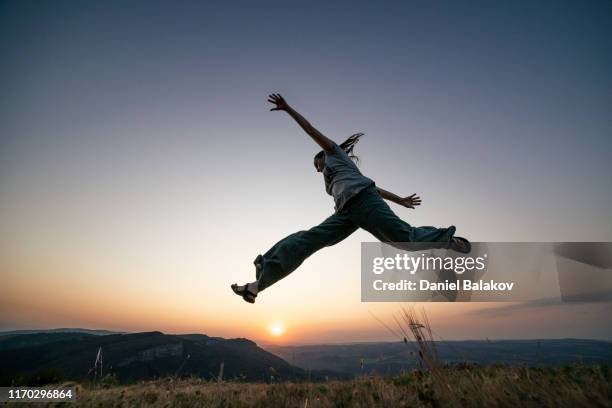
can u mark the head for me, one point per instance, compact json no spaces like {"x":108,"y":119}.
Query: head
{"x":347,"y":146}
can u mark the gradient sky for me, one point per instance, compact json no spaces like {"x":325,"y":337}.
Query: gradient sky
{"x":141,"y":171}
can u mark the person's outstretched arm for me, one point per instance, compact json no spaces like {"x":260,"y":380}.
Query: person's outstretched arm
{"x":282,"y":105}
{"x":409,"y":202}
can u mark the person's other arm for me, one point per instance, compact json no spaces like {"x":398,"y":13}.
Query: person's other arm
{"x":408,"y":202}
{"x":322,"y":140}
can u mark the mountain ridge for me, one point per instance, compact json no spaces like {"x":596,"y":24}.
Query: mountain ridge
{"x":39,"y":357}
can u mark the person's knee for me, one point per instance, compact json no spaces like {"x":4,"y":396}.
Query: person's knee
{"x":395,"y":234}
{"x":314,"y":232}
{"x":308,"y":238}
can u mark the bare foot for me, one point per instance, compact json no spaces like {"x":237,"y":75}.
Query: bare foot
{"x":248,"y":292}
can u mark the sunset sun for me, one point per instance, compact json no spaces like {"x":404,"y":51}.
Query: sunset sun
{"x":277,"y":329}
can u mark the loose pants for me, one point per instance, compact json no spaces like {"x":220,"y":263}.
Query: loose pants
{"x":366,"y":210}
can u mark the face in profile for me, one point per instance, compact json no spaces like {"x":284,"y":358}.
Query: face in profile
{"x":319,"y":161}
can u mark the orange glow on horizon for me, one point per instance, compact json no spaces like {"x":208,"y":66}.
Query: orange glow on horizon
{"x":277,"y":329}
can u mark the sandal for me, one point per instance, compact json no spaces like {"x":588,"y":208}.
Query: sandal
{"x":244,"y":292}
{"x":461,"y":245}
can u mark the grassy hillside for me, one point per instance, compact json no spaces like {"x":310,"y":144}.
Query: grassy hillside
{"x":572,"y":386}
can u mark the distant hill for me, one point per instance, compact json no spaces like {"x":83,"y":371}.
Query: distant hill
{"x":60,"y":330}
{"x":393,"y":358}
{"x":17,"y":341}
{"x":42,"y":357}
{"x":55,"y":355}
{"x":23,"y":338}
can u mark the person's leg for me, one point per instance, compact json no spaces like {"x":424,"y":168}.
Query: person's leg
{"x":289,"y":253}
{"x":373,"y":214}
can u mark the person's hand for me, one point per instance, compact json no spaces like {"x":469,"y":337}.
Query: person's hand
{"x":279,"y":101}
{"x":410,"y":201}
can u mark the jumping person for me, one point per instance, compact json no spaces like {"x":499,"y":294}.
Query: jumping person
{"x":358,"y":203}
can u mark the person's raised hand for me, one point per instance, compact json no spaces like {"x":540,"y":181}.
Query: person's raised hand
{"x":410,"y":201}
{"x":279,"y":101}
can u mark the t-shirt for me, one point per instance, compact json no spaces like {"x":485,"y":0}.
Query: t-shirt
{"x":343,"y":180}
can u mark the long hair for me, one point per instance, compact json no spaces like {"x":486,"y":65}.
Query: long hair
{"x":348,"y":145}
